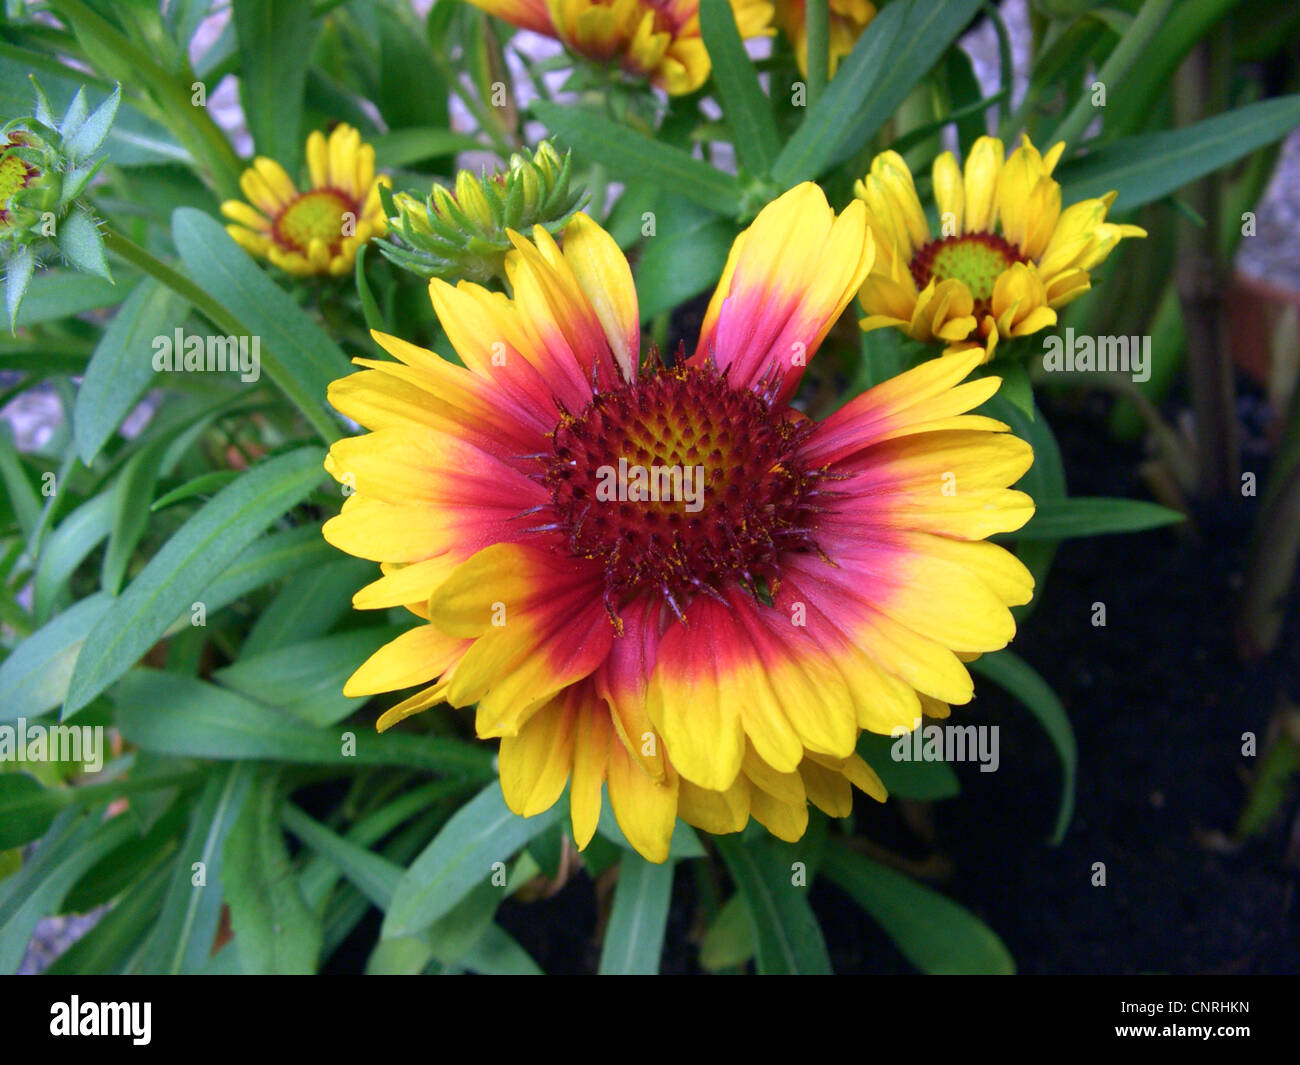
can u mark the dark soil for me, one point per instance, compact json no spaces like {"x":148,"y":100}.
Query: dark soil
{"x":1159,"y":703}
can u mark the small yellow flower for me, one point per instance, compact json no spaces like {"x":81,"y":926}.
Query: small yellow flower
{"x":658,"y":40}
{"x":317,"y":231}
{"x":1006,"y":257}
{"x":848,"y":18}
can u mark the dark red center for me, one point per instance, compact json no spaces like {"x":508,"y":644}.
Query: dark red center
{"x":723,"y":493}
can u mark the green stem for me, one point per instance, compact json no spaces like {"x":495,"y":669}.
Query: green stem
{"x":817,"y":30}
{"x":215,"y":312}
{"x":486,"y":120}
{"x":1131,"y":48}
{"x":191,"y":125}
{"x":89,"y":794}
{"x":128,"y":250}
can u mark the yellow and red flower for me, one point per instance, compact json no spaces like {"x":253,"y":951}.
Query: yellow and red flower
{"x":1006,"y":256}
{"x":658,"y":40}
{"x":714,"y":662}
{"x":847,"y":20}
{"x":317,"y":231}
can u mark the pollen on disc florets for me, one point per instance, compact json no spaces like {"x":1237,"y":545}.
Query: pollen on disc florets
{"x":976,"y":259}
{"x":314,"y":215}
{"x":723,"y":495}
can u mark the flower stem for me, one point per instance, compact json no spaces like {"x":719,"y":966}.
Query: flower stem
{"x":108,"y":47}
{"x":486,"y":120}
{"x":1131,"y":48}
{"x":131,"y":252}
{"x":216,"y":313}
{"x":89,"y":794}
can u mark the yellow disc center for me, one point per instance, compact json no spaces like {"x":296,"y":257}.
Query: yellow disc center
{"x":322,"y":214}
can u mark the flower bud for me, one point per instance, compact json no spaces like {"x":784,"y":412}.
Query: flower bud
{"x":463,"y":233}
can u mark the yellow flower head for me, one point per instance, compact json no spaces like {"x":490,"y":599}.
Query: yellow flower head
{"x":848,"y":18}
{"x":317,"y":231}
{"x":658,"y":40}
{"x":1006,"y":257}
{"x":670,"y":584}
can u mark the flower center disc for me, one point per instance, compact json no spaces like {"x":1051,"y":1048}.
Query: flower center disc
{"x":975,"y":259}
{"x":681,"y":483}
{"x":14,"y":174}
{"x":315,"y":215}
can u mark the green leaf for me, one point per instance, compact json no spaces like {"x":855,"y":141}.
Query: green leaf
{"x":744,"y":106}
{"x":34,"y":678}
{"x":497,"y":954}
{"x":404,"y":60}
{"x":408,"y":956}
{"x":1043,"y":481}
{"x":175,"y":578}
{"x":404,"y":147}
{"x":183,"y":18}
{"x":1024,"y":682}
{"x":308,"y":606}
{"x":18,"y":488}
{"x":729,"y":942}
{"x":927,"y":781}
{"x":788,"y":937}
{"x":297,"y":354}
{"x":891,"y":57}
{"x":273,"y":557}
{"x":373,"y":875}
{"x":117,"y":933}
{"x":1079,"y":516}
{"x":89,"y":134}
{"x":454,"y":935}
{"x":633,"y":156}
{"x":1148,"y":167}
{"x":154,"y":845}
{"x":634,"y":939}
{"x":181,"y":940}
{"x":74,"y":843}
{"x":19,"y":268}
{"x":1016,"y":388}
{"x":205,"y":484}
{"x":447,"y":940}
{"x":684,"y":843}
{"x":934,"y":933}
{"x":275,"y":930}
{"x":27,"y":809}
{"x":307,"y":678}
{"x":75,"y":115}
{"x":59,"y":294}
{"x":132,"y":492}
{"x":684,"y":257}
{"x":171,"y":714}
{"x":964,"y":90}
{"x":82,"y":244}
{"x":461,"y":856}
{"x":369,"y":307}
{"x":275,"y":42}
{"x":121,"y":367}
